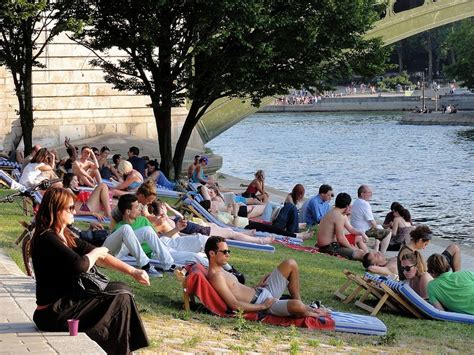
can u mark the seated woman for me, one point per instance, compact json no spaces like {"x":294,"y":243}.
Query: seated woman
{"x":198,"y":173}
{"x":40,"y":168}
{"x":401,"y":228}
{"x":132,"y":179}
{"x":89,"y":203}
{"x":154,"y":174}
{"x":256,"y":188}
{"x":164,"y":224}
{"x":420,"y":237}
{"x":111,"y":317}
{"x":417,"y":280}
{"x":453,"y":291}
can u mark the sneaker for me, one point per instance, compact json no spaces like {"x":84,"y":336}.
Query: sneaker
{"x":318,"y":305}
{"x":152,"y":272}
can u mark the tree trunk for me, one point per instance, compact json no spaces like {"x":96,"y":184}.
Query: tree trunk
{"x":27,"y":120}
{"x":163,"y":127}
{"x":192,"y":119}
{"x":430,"y":57}
{"x":400,"y":57}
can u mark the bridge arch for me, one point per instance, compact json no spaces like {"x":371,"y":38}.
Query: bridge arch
{"x":394,"y":26}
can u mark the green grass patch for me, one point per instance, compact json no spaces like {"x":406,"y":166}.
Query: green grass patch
{"x":320,"y":276}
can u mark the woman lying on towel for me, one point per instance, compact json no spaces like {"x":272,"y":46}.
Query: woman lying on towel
{"x":89,"y":203}
{"x":218,"y":205}
{"x":417,"y":279}
{"x":164,"y":224}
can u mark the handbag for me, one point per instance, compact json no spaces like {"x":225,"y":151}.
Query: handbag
{"x":91,"y":282}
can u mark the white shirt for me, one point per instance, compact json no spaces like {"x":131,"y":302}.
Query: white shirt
{"x":361,"y":215}
{"x":30,"y":175}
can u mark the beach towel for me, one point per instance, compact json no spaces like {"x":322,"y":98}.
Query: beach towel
{"x":197,"y":284}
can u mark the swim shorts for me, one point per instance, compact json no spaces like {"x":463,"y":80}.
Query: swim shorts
{"x":377,"y":233}
{"x":276,"y":284}
{"x":336,"y":249}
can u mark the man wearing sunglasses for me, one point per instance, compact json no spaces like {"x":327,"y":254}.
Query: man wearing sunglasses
{"x":264,"y":296}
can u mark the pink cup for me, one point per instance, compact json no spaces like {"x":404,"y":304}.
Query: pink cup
{"x":73,"y":326}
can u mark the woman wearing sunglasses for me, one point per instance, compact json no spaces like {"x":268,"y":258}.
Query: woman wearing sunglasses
{"x":417,"y":279}
{"x":420,"y":238}
{"x":110,"y":317}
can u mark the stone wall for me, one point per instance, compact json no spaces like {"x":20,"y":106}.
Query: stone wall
{"x":71,"y":99}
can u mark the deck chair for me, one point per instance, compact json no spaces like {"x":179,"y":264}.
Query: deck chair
{"x":421,"y":305}
{"x":369,"y":288}
{"x":195,"y":283}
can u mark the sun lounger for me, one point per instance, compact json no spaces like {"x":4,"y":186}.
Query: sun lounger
{"x":196,"y":284}
{"x":9,"y":165}
{"x":368,"y":288}
{"x":10,"y":182}
{"x":197,"y":209}
{"x":424,"y":307}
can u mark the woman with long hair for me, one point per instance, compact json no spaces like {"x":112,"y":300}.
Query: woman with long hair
{"x":109,"y":317}
{"x":89,"y":203}
{"x":154,"y":174}
{"x":40,"y":168}
{"x":418,"y":280}
{"x":401,"y":228}
{"x":256,"y":188}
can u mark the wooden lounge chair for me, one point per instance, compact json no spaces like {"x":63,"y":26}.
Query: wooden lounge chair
{"x":369,"y":289}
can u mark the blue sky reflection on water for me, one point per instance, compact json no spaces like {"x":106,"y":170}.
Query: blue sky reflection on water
{"x":429,"y":169}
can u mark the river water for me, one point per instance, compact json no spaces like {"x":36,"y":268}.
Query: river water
{"x":429,"y":169}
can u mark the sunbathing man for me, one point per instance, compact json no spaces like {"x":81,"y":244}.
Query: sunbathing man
{"x":331,"y":237}
{"x":265,"y":295}
{"x":375,"y":262}
{"x":86,"y":168}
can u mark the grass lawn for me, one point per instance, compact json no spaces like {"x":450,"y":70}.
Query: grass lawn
{"x":161,"y":307}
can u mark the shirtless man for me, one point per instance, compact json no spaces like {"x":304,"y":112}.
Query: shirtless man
{"x":86,"y":168}
{"x":265,"y":295}
{"x":375,"y":262}
{"x":331,"y":237}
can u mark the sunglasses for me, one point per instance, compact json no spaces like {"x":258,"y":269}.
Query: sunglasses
{"x":407,"y":268}
{"x":225,"y":251}
{"x":71,"y":209}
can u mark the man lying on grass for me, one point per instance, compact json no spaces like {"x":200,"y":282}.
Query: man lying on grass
{"x":265,"y":295}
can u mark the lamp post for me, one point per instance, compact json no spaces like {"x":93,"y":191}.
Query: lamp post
{"x":423,"y":91}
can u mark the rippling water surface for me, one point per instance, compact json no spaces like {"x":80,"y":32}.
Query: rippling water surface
{"x":429,"y":169}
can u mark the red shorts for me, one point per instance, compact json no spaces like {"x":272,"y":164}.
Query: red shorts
{"x":351,"y":238}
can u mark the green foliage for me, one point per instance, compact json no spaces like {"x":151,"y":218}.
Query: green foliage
{"x":463,"y":42}
{"x":21,"y":23}
{"x":206,"y":50}
{"x":391,"y":83}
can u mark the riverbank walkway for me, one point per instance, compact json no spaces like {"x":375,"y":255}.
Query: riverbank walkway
{"x":18,"y":334}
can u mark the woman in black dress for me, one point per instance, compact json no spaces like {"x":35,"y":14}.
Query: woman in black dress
{"x":109,"y":317}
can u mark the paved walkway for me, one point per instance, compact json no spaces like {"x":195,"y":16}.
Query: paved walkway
{"x":18,"y":334}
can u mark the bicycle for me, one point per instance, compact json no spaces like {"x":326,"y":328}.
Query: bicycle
{"x":25,"y":238}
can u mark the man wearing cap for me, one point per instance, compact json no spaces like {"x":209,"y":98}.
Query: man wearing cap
{"x":362,"y":219}
{"x":318,"y":205}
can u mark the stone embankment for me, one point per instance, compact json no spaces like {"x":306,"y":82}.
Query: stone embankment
{"x":385,"y":102}
{"x":465,"y":118}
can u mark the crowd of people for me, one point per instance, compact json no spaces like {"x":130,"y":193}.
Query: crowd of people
{"x":159,"y":236}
